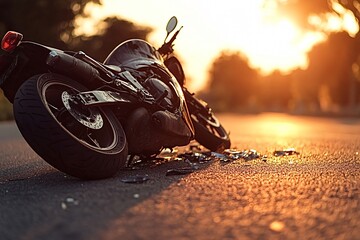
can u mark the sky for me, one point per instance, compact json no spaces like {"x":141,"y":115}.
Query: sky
{"x":254,"y":28}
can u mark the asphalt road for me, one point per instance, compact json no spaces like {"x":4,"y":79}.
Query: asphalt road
{"x":313,"y":195}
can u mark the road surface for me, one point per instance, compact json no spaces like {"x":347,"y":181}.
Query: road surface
{"x":313,"y":195}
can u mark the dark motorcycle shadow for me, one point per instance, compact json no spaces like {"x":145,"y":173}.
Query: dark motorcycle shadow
{"x":52,"y":205}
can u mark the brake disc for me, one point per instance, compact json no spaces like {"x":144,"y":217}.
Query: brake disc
{"x":89,"y":117}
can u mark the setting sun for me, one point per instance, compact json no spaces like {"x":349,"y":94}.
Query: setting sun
{"x":255,"y":28}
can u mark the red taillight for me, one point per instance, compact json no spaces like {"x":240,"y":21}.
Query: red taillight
{"x":10,"y":41}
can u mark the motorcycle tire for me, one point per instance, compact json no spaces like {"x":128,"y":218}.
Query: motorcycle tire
{"x":208,"y":130}
{"x":57,"y":135}
{"x":213,"y":138}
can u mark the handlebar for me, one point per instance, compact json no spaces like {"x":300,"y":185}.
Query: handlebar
{"x":167,"y":47}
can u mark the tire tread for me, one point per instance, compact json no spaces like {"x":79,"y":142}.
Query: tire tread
{"x":55,"y":145}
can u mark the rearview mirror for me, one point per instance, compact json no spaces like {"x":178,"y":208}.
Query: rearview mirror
{"x":171,"y":24}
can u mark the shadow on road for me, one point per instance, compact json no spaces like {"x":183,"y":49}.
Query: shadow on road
{"x":51,"y":205}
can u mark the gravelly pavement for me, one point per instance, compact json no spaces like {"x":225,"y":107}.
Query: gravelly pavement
{"x":313,"y":195}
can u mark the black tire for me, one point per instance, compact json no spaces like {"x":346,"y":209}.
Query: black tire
{"x":214,"y":138}
{"x":59,"y":138}
{"x":208,"y":130}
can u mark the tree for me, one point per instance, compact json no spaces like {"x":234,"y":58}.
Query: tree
{"x":274,"y":91}
{"x":52,"y":23}
{"x":116,"y":31}
{"x":41,"y":20}
{"x":300,"y":11}
{"x":330,"y":63}
{"x":232,"y":82}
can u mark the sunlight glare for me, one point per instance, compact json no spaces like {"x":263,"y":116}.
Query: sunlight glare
{"x":344,"y":20}
{"x":254,"y":28}
{"x":277,"y":46}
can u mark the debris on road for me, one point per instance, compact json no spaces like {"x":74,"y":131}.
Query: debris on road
{"x":168,"y":153}
{"x":135,"y":179}
{"x":197,"y":156}
{"x":286,"y":152}
{"x":180,"y":171}
{"x":247,"y":155}
{"x":230,"y":155}
{"x":193,"y":159}
{"x":63,"y":206}
{"x":69,"y":202}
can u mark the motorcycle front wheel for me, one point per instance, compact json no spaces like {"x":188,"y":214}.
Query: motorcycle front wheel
{"x":208,"y":130}
{"x":87,"y":143}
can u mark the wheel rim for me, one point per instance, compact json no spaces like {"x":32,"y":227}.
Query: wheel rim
{"x":100,"y":137}
{"x":211,"y":124}
{"x":89,"y":117}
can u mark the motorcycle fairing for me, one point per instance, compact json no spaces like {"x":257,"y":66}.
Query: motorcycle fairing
{"x":136,"y":54}
{"x":133,"y":53}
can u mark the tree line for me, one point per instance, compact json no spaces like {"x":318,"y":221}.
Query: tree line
{"x":330,"y":83}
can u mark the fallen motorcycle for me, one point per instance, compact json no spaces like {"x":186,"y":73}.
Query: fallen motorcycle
{"x":85,"y":118}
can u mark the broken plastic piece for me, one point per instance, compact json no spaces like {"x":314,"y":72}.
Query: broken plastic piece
{"x":220,"y":156}
{"x":286,"y":152}
{"x":72,"y":201}
{"x":196,"y":157}
{"x":247,"y":155}
{"x":69,"y":201}
{"x":180,"y":171}
{"x":135,"y":179}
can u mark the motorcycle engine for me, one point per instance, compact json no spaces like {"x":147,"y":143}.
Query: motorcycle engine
{"x":150,"y":130}
{"x":161,"y":92}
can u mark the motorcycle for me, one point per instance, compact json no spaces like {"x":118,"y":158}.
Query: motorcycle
{"x":85,"y":118}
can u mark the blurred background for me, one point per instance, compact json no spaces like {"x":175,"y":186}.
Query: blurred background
{"x":292,"y":56}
